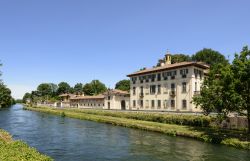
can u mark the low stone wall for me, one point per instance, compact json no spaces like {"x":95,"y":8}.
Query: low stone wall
{"x":237,"y":122}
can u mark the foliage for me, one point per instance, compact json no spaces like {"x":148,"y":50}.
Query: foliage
{"x":123,"y":85}
{"x":210,"y":57}
{"x":227,"y":89}
{"x":95,"y":87}
{"x":18,"y":150}
{"x":175,"y":58}
{"x":26,"y":97}
{"x":63,"y":87}
{"x":78,"y":88}
{"x":5,"y":96}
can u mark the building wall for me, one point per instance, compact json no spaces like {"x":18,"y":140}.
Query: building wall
{"x":115,"y":102}
{"x":165,"y":96}
{"x":88,"y":103}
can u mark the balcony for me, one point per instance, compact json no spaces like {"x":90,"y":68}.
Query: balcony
{"x":197,"y":92}
{"x":141,"y":95}
{"x":172,"y":93}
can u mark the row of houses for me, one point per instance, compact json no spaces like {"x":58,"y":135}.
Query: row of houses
{"x":168,"y":87}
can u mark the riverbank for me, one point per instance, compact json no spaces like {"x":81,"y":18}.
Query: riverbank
{"x":237,"y":139}
{"x":18,"y":150}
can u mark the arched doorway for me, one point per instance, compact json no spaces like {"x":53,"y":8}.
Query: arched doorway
{"x":123,"y":105}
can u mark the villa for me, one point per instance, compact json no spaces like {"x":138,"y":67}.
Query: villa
{"x":169,"y":87}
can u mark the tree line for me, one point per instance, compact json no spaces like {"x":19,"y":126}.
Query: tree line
{"x":51,"y":91}
{"x":5,"y":94}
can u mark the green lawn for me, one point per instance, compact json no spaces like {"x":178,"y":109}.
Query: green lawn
{"x":238,"y":139}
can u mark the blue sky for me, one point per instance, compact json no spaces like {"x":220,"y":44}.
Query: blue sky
{"x":80,"y":40}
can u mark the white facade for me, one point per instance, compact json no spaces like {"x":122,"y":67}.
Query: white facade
{"x":167,"y":88}
{"x":116,"y":100}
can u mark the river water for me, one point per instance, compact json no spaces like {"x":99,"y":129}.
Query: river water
{"x":66,"y":139}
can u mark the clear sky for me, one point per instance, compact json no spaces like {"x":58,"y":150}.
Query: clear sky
{"x":80,"y":40}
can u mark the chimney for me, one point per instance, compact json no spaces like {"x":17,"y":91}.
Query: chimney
{"x":168,"y":58}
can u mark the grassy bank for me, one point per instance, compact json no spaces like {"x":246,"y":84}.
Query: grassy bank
{"x":17,"y":150}
{"x":236,"y":139}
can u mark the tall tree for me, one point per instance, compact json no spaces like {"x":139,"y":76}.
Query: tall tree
{"x":210,"y":57}
{"x":63,"y":87}
{"x":78,"y":88}
{"x":5,"y":94}
{"x":26,"y":97}
{"x":123,"y":85}
{"x":45,"y":89}
{"x":95,"y":87}
{"x":227,"y":89}
{"x":241,"y":70}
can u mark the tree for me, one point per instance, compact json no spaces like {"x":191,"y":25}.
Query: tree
{"x":5,"y":96}
{"x":78,"y":88}
{"x":175,"y":58}
{"x":210,"y":57}
{"x":217,"y":92}
{"x":123,"y":85}
{"x":95,"y":87}
{"x":241,"y":70}
{"x":227,"y":89}
{"x":63,"y":87}
{"x":45,"y":89}
{"x":26,"y":97}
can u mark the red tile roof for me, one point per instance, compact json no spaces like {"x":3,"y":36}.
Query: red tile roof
{"x":169,"y":67}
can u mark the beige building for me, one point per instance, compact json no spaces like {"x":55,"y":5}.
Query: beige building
{"x":95,"y":102}
{"x":116,"y":100}
{"x":65,"y":100}
{"x":169,"y":87}
{"x":111,"y":100}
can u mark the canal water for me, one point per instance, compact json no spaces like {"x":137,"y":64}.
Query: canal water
{"x":66,"y":139}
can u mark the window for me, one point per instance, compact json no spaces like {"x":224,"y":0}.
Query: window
{"x":134,"y":79}
{"x":159,"y":89}
{"x":172,"y":86}
{"x":134,"y":90}
{"x":184,"y":104}
{"x":172,"y":104}
{"x":165,"y":75}
{"x":134,"y":103}
{"x":108,"y":97}
{"x":195,"y":86}
{"x":141,"y":93}
{"x":152,"y":103}
{"x":159,"y":77}
{"x":141,"y":103}
{"x":153,"y":78}
{"x":159,"y":103}
{"x":152,"y":89}
{"x":184,"y":87}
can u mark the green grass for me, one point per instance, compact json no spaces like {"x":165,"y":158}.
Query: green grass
{"x":11,"y":150}
{"x":238,"y":139}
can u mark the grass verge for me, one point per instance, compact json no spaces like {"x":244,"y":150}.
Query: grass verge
{"x":237,"y":139}
{"x":17,"y":150}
